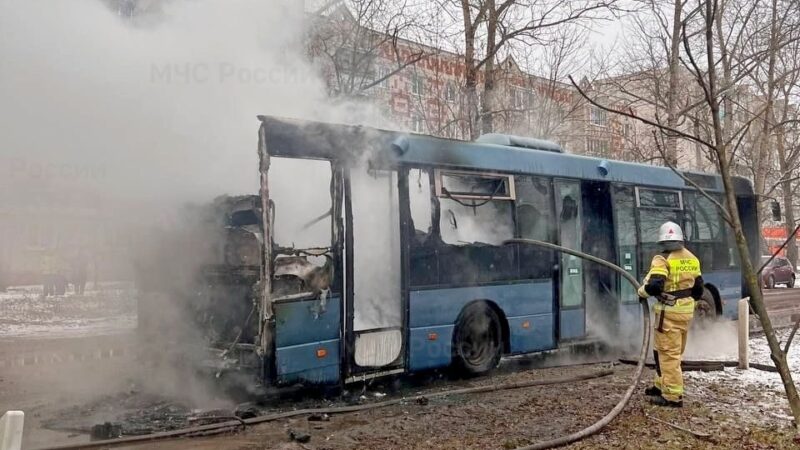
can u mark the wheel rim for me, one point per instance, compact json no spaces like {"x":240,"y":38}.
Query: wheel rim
{"x":479,"y":340}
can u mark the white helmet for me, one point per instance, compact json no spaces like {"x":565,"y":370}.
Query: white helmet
{"x":670,"y":232}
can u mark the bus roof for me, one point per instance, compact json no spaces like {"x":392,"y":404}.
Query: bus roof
{"x":307,"y":139}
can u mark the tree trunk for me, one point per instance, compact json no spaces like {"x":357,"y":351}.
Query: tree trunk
{"x":671,"y":148}
{"x":488,"y":100}
{"x":789,"y":222}
{"x":788,"y":198}
{"x":727,"y":76}
{"x":470,"y":72}
{"x":488,"y":104}
{"x":761,"y":161}
{"x":756,"y":297}
{"x":749,"y":272}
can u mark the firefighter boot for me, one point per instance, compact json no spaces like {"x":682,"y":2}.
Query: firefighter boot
{"x":661,"y":401}
{"x":652,"y":391}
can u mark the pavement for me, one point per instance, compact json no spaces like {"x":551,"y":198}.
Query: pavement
{"x":782,"y":304}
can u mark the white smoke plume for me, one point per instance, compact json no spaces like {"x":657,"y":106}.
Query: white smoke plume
{"x":162,"y":111}
{"x":131,"y":119}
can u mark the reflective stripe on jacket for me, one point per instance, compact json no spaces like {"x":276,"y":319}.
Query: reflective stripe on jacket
{"x":680,"y":268}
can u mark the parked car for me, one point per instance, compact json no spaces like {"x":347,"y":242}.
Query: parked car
{"x":779,"y":271}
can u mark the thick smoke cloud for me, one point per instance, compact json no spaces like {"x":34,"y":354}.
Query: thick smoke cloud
{"x":122,"y":119}
{"x":158,"y":110}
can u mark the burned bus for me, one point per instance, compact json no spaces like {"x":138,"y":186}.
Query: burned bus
{"x":381,"y":252}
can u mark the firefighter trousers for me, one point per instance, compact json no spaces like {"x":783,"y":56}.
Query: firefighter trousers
{"x":669,"y":344}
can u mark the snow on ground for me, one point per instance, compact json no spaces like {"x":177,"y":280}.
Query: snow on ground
{"x":105,"y":309}
{"x":760,"y":396}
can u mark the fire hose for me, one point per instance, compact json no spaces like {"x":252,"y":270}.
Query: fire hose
{"x":217,"y":428}
{"x":637,"y":374}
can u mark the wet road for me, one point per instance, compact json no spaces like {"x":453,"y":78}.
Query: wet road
{"x":780,"y":299}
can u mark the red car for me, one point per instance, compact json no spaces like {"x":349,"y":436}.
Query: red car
{"x":779,"y":271}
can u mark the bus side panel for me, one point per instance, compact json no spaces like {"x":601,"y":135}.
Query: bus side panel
{"x":433,"y":314}
{"x":729,"y":285}
{"x":307,"y":341}
{"x":629,"y":338}
{"x":573,"y":324}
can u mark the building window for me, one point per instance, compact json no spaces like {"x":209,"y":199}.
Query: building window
{"x":382,"y":75}
{"x":417,"y":85}
{"x":597,"y":147}
{"x":450,"y":93}
{"x":518,"y":98}
{"x":598,"y":117}
{"x":417,"y":123}
{"x":627,"y":130}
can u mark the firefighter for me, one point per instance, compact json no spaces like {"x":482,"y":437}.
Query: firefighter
{"x":675,"y":281}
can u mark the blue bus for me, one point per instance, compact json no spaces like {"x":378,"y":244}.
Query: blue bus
{"x":383,"y":252}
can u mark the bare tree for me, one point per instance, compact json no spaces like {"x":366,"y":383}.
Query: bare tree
{"x":700,"y":36}
{"x":776,"y":82}
{"x":361,"y":44}
{"x":494,"y":29}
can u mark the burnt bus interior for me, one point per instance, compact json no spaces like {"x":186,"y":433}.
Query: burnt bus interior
{"x":323,"y":291}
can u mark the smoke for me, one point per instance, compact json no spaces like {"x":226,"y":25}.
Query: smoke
{"x":109,"y":128}
{"x":163,"y":112}
{"x":717,"y":340}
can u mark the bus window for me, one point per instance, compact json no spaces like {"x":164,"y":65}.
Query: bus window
{"x":625,"y":218}
{"x":651,"y":220}
{"x":568,"y":208}
{"x":475,"y":208}
{"x":658,"y":198}
{"x":302,"y":208}
{"x":706,"y":233}
{"x":469,"y":185}
{"x":423,"y":255}
{"x":419,"y":198}
{"x":703,"y":221}
{"x":534,"y":209}
{"x":535,"y":220}
{"x":656,"y":206}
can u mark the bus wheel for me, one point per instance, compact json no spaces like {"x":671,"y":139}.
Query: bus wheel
{"x":477,"y":341}
{"x":705,"y":309}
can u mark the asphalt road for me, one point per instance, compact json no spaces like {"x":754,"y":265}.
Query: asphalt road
{"x":782,"y":298}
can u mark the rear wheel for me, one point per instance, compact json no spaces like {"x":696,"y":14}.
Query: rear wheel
{"x":790,"y":284}
{"x":477,"y":341}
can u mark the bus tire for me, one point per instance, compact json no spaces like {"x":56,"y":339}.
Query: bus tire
{"x":477,"y":340}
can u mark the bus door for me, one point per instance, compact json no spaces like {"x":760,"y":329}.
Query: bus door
{"x":374,"y":310}
{"x":600,"y":283}
{"x":630,"y":313}
{"x":572,"y":311}
{"x":653,"y":207}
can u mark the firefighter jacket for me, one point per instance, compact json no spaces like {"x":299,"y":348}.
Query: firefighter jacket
{"x":676,"y":273}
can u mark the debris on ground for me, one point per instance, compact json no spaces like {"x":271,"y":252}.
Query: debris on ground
{"x":105,"y":431}
{"x":299,"y":436}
